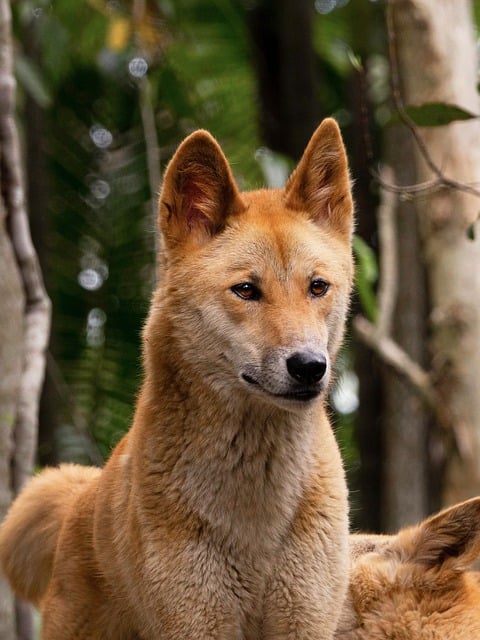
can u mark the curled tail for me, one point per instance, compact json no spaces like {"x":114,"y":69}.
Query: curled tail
{"x":29,"y":533}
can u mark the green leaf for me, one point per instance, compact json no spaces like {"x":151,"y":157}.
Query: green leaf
{"x":436,"y":114}
{"x":366,"y":259}
{"x":366,"y":277}
{"x":30,"y":78}
{"x":355,"y":60}
{"x":471,"y":232}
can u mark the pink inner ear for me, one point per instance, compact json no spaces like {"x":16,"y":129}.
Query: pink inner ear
{"x":195,"y":203}
{"x":320,"y":202}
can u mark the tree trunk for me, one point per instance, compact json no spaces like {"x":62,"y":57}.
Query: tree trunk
{"x":37,"y":177}
{"x":281,"y":32}
{"x":26,"y":310}
{"x":367,"y":481}
{"x":405,"y":421}
{"x":437,"y":62}
{"x":11,"y":353}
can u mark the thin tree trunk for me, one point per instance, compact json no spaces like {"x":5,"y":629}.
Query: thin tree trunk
{"x":406,"y":463}
{"x":367,"y":481}
{"x":37,"y":178}
{"x":11,"y":353}
{"x":34,"y":323}
{"x":37,"y":305}
{"x":281,"y":32}
{"x":441,"y":36}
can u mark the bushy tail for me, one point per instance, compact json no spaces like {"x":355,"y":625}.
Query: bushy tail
{"x":29,"y":533}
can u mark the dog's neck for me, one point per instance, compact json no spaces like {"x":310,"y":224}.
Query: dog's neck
{"x":222,"y":457}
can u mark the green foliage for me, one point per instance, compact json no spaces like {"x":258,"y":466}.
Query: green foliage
{"x":102,"y":229}
{"x":366,"y":277}
{"x":476,"y":12}
{"x":31,"y":80}
{"x":435,"y":114}
{"x":208,"y":58}
{"x":101,"y":199}
{"x":101,"y":261}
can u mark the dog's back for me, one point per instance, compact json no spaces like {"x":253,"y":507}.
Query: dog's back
{"x":28,"y":537}
{"x":417,"y":585}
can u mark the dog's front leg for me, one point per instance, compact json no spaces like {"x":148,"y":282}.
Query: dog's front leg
{"x":304,"y":596}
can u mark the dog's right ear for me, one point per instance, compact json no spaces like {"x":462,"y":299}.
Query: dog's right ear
{"x":320,"y":185}
{"x":449,"y":539}
{"x":198,"y":193}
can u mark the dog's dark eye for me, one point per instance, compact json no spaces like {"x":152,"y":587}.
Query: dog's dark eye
{"x":246,"y":291}
{"x":318,"y":288}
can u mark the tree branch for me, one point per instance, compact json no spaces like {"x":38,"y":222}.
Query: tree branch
{"x":440,"y":180}
{"x":388,"y":282}
{"x":378,"y":336}
{"x":147,"y":112}
{"x":393,"y":355}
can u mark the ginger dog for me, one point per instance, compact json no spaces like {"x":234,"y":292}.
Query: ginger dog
{"x":222,"y":514}
{"x":417,"y":585}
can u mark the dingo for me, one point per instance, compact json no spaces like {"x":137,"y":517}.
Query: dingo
{"x":417,"y":585}
{"x":222,"y":514}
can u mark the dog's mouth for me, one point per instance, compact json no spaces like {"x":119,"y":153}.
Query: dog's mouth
{"x":302,"y":394}
{"x":249,"y":379}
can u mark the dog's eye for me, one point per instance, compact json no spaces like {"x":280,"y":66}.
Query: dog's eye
{"x":246,"y":291}
{"x":318,"y":287}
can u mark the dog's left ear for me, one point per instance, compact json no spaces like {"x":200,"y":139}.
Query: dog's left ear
{"x":320,"y":185}
{"x":450,"y":539}
{"x":198,"y":192}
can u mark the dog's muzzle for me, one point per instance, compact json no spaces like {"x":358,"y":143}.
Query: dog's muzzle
{"x":304,"y":376}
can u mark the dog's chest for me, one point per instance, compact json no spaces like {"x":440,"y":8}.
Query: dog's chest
{"x":249,"y":490}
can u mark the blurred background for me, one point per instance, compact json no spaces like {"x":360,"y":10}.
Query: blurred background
{"x":106,"y":91}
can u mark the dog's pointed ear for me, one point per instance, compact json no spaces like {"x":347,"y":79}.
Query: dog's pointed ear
{"x":320,"y":185}
{"x":198,"y":192}
{"x":449,"y":539}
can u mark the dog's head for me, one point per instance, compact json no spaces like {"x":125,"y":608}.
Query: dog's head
{"x":417,"y":585}
{"x":256,"y":284}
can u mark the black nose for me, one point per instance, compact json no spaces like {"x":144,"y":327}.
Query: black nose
{"x":306,"y":367}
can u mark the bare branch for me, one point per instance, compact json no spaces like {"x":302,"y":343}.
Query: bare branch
{"x":378,"y":336}
{"x":151,"y":140}
{"x":407,"y":189}
{"x":387,"y":287}
{"x":396,"y":357}
{"x":440,"y":180}
{"x":147,"y":112}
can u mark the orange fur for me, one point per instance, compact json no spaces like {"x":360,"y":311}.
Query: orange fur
{"x":222,"y":514}
{"x":417,"y":585}
{"x":30,"y":533}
